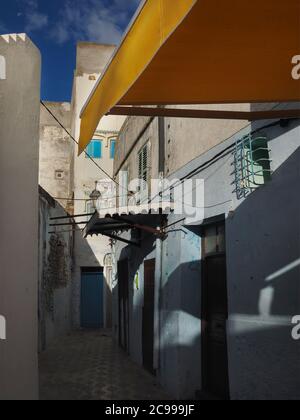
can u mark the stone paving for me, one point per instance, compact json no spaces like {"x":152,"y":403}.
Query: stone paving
{"x":88,"y":365}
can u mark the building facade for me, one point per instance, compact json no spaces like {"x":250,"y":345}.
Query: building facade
{"x":208,"y":309}
{"x":56,"y":250}
{"x":90,"y":254}
{"x":20,"y":65}
{"x":56,"y":159}
{"x":71,"y":180}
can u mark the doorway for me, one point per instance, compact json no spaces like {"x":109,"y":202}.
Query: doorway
{"x":123,"y":290}
{"x":91,"y":298}
{"x":215,"y":375}
{"x":148,"y":316}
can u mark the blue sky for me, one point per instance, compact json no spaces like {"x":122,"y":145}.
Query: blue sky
{"x":56,"y":25}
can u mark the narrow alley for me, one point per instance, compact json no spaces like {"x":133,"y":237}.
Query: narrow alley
{"x":149,"y":214}
{"x":88,"y":365}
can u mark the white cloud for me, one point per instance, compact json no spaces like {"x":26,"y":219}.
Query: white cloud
{"x":2,"y":28}
{"x":34,"y":19}
{"x":93,"y":20}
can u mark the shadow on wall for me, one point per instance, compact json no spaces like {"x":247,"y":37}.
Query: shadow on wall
{"x":264,"y":241}
{"x":136,"y":257}
{"x":263,"y":246}
{"x":263,"y":362}
{"x":55,"y":265}
{"x":62,"y":255}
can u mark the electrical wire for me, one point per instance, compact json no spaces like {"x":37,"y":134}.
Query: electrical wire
{"x":89,"y":199}
{"x":64,"y":231}
{"x":225,"y":152}
{"x":215,"y":159}
{"x":86,"y":153}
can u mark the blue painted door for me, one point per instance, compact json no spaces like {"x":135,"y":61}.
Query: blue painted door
{"x":92,"y":300}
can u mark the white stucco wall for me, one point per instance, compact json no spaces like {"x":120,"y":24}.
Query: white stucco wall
{"x":56,"y":153}
{"x":55,"y":273}
{"x":19,"y":146}
{"x":262,"y":241}
{"x":89,"y":252}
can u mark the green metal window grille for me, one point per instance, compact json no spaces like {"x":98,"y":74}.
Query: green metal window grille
{"x":144,"y":171}
{"x":252,"y":164}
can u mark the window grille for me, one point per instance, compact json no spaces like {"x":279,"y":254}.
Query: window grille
{"x":144,"y":166}
{"x":252,"y":164}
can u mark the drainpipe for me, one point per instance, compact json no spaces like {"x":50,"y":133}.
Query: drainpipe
{"x":159,"y":242}
{"x":161,"y":145}
{"x":157,"y":318}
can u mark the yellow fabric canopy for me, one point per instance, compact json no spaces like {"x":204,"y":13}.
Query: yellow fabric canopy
{"x":201,"y":52}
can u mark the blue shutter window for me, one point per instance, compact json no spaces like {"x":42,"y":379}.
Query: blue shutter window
{"x":94,"y":149}
{"x":97,"y":149}
{"x":112,"y":148}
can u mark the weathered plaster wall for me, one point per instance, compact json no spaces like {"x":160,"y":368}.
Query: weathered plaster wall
{"x":92,"y":58}
{"x":180,"y":325}
{"x":263,"y":291}
{"x":262,"y":239}
{"x":91,"y":61}
{"x":56,"y":153}
{"x":19,"y":149}
{"x":55,"y":273}
{"x":184,"y":138}
{"x":131,"y":134}
{"x":136,"y":258}
{"x":145,"y":131}
{"x":180,"y":319}
{"x":188,"y":138}
{"x":177,"y":348}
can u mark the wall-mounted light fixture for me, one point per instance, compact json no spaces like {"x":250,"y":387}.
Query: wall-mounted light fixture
{"x":95,"y":195}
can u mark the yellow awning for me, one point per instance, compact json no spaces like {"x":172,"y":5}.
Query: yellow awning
{"x":201,"y":52}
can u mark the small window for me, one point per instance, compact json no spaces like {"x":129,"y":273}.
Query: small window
{"x":252,"y":164}
{"x":94,"y":149}
{"x":123,"y":181}
{"x":59,"y":175}
{"x":144,"y":166}
{"x":214,"y":239}
{"x":90,"y":208}
{"x":2,"y":68}
{"x":112,"y":148}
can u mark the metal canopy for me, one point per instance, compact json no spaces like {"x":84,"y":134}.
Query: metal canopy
{"x":112,"y":225}
{"x":183,"y":52}
{"x":207,"y":114}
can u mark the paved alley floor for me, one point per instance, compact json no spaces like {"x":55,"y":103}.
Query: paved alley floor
{"x":90,"y":366}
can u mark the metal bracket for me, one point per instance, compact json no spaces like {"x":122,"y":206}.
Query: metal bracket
{"x":117,"y":238}
{"x":145,"y":228}
{"x":72,"y":216}
{"x":206,"y":114}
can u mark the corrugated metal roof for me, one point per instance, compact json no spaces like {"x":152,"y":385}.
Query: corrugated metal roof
{"x":126,"y":218}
